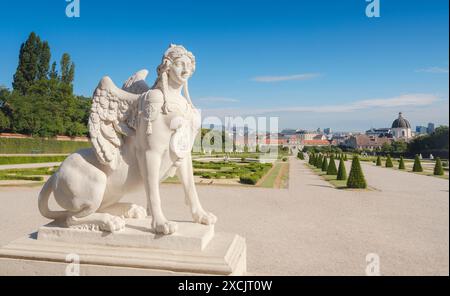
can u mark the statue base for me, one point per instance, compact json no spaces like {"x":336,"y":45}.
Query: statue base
{"x":193,"y":250}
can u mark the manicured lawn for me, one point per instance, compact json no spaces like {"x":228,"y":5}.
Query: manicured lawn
{"x":30,"y":159}
{"x":27,"y":174}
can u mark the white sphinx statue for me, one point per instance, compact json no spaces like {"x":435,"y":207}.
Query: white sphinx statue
{"x":140,"y":135}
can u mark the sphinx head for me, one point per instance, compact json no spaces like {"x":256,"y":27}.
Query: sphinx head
{"x":178,"y":64}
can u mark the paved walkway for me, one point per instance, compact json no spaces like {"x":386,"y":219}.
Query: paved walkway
{"x":310,"y":228}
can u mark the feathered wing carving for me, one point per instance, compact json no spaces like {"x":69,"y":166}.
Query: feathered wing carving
{"x":136,"y":84}
{"x":113,"y":115}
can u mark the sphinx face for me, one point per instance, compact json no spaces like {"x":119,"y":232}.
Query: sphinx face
{"x":181,"y":70}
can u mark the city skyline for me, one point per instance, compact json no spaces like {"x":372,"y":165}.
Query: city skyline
{"x":310,"y":64}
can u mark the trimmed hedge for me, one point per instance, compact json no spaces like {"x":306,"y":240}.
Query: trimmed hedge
{"x":417,"y":165}
{"x":39,"y":145}
{"x":332,"y":167}
{"x":30,"y":159}
{"x":401,"y":164}
{"x":379,"y":161}
{"x":356,"y":178}
{"x":342,"y":172}
{"x":438,"y":169}
{"x":389,"y":163}
{"x":324,"y":164}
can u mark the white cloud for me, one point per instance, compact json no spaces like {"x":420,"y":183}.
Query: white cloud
{"x":407,"y":100}
{"x":217,"y":100}
{"x":435,"y":70}
{"x":285,"y":78}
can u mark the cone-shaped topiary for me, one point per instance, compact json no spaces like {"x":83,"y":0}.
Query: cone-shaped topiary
{"x":332,"y":167}
{"x":401,"y":164}
{"x":379,"y":161}
{"x":345,"y":157}
{"x":300,"y":155}
{"x":318,"y":163}
{"x":324,"y":164}
{"x":389,"y":163}
{"x":438,"y":169}
{"x":356,"y":177}
{"x":417,"y":165}
{"x":311,"y":159}
{"x":342,"y":172}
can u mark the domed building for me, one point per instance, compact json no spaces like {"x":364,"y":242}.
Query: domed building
{"x":401,"y":128}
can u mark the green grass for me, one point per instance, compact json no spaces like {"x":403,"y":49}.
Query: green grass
{"x":338,"y":184}
{"x":39,"y":145}
{"x":269,"y":181}
{"x":30,"y":159}
{"x":35,"y":174}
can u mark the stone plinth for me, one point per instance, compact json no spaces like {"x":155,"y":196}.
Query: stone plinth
{"x":188,"y":237}
{"x":193,"y":250}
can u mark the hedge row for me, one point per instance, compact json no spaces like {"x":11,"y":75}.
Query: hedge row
{"x":39,"y":145}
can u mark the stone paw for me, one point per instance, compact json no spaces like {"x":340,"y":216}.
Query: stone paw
{"x":112,"y":223}
{"x":205,"y":218}
{"x":166,"y":227}
{"x":136,"y":212}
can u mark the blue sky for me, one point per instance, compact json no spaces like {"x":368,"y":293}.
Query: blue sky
{"x":312,"y":63}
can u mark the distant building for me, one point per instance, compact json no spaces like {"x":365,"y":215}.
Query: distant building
{"x":401,"y":128}
{"x":366,"y":142}
{"x":430,"y":128}
{"x":379,"y":132}
{"x":421,"y":130}
{"x":327,"y":131}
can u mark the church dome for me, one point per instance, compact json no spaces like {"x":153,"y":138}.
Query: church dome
{"x":401,"y":122}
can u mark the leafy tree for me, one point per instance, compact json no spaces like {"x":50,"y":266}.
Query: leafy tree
{"x":356,"y":177}
{"x":342,"y":172}
{"x":399,"y":146}
{"x":417,"y":165}
{"x":27,"y":69}
{"x":53,"y":72}
{"x":379,"y":161}
{"x":389,"y":163}
{"x":324,"y":164}
{"x":438,"y":169}
{"x":332,"y":170}
{"x":43,"y":63}
{"x":438,"y":140}
{"x":386,"y":148}
{"x":4,"y":121}
{"x":401,"y":164}
{"x":67,"y":69}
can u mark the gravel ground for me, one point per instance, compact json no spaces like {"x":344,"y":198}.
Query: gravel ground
{"x":310,"y":228}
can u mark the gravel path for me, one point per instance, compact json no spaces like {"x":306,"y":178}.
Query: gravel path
{"x":310,"y":228}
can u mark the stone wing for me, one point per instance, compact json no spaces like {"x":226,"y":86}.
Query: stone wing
{"x":136,"y":84}
{"x":113,"y":115}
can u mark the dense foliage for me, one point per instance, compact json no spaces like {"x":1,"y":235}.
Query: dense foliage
{"x":42,"y":102}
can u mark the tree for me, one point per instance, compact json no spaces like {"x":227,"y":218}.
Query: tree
{"x":356,"y":177}
{"x":386,"y":147}
{"x":389,"y":163}
{"x":324,"y":164}
{"x":332,"y":167}
{"x":300,"y":155}
{"x":43,"y":62}
{"x":379,"y":161}
{"x":417,"y":165}
{"x":438,"y":169}
{"x":53,"y":72}
{"x":401,"y":164}
{"x":27,"y":69}
{"x":67,"y":69}
{"x":342,"y":172}
{"x":345,"y":157}
{"x":399,"y":146}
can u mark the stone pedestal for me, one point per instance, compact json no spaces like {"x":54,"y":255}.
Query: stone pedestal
{"x":193,"y":250}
